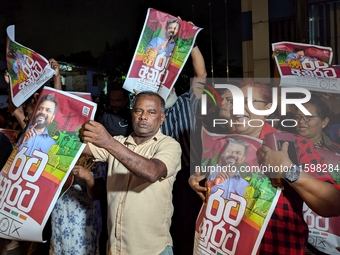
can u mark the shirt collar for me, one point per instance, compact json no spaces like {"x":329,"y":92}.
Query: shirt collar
{"x":130,"y":140}
{"x":45,"y":132}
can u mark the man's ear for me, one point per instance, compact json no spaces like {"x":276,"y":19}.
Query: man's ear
{"x":268,"y":106}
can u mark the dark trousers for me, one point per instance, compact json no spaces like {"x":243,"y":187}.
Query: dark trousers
{"x":187,"y":205}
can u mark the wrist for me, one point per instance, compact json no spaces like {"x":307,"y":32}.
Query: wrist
{"x":292,"y":174}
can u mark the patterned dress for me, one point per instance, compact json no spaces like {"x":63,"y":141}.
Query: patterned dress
{"x":76,"y":220}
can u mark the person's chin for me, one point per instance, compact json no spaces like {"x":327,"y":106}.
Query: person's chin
{"x":224,"y":115}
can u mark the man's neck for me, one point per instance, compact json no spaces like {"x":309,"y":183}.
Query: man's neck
{"x":141,"y":139}
{"x":40,"y":130}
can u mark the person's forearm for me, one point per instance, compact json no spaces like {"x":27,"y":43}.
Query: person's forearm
{"x":198,"y":63}
{"x":322,"y":197}
{"x":57,"y":82}
{"x":200,"y":72}
{"x":94,"y":188}
{"x":90,"y":183}
{"x":20,"y":116}
{"x":148,"y":169}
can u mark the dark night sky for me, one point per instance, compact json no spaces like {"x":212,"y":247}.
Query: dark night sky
{"x":56,"y":27}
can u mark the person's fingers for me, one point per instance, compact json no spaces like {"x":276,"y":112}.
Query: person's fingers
{"x":284,"y":147}
{"x":201,"y":195}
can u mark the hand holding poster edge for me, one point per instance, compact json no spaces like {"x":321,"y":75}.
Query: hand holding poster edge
{"x":30,"y":220}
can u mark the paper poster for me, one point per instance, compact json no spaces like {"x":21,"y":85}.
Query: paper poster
{"x":240,"y":198}
{"x":33,"y":177}
{"x":307,"y":66}
{"x":163,"y":48}
{"x":27,"y":69}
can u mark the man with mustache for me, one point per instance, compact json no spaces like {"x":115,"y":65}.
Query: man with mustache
{"x":166,"y":44}
{"x":229,"y":178}
{"x":36,"y":136}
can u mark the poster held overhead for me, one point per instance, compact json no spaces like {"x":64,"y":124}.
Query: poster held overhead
{"x":27,"y":69}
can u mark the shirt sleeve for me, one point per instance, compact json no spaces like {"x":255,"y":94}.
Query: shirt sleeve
{"x":312,"y":162}
{"x":99,"y":153}
{"x":169,"y":152}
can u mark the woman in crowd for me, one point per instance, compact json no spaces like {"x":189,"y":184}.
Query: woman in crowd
{"x":76,"y":216}
{"x":312,"y":127}
{"x":287,"y":232}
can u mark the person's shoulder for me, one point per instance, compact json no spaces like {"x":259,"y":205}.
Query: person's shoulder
{"x":119,"y":137}
{"x":162,"y":138}
{"x":157,"y":39}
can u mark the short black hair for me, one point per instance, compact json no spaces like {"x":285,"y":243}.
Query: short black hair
{"x":49,"y":97}
{"x":173,"y":20}
{"x":236,"y":140}
{"x":299,"y":49}
{"x":322,"y":109}
{"x":116,"y":88}
{"x":149,"y":93}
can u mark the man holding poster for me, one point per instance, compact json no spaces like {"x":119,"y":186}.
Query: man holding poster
{"x":141,"y":173}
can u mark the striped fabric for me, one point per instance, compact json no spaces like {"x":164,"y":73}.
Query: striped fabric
{"x":178,"y":124}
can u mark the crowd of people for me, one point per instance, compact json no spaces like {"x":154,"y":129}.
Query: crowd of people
{"x":144,"y":158}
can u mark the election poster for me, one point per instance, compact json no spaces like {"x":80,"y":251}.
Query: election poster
{"x":163,"y":48}
{"x":34,"y":175}
{"x":306,"y":66}
{"x":27,"y":69}
{"x":240,"y":199}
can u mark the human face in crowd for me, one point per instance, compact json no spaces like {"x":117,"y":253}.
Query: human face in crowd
{"x":28,"y":111}
{"x":44,"y":114}
{"x":310,"y":126}
{"x":172,"y":30}
{"x":259,"y":104}
{"x":118,"y":102}
{"x":226,"y":105}
{"x":147,"y":116}
{"x":233,"y":155}
{"x":301,"y":53}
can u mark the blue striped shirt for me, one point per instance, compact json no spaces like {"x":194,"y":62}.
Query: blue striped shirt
{"x":179,"y":121}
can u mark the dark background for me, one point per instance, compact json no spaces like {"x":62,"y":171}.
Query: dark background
{"x":104,"y":34}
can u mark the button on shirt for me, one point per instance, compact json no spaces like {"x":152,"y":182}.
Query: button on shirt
{"x":139,"y":212}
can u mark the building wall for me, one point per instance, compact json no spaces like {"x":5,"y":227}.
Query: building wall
{"x":264,"y":22}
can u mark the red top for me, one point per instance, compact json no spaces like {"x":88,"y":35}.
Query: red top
{"x":287,"y":232}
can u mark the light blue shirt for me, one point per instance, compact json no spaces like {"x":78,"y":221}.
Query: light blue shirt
{"x":294,"y":55}
{"x":235,"y":184}
{"x":158,"y":41}
{"x":41,"y":142}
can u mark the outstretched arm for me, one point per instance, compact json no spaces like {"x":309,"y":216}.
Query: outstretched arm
{"x":200,"y":72}
{"x":322,"y":197}
{"x":56,"y":78}
{"x":149,"y":169}
{"x":94,"y":187}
